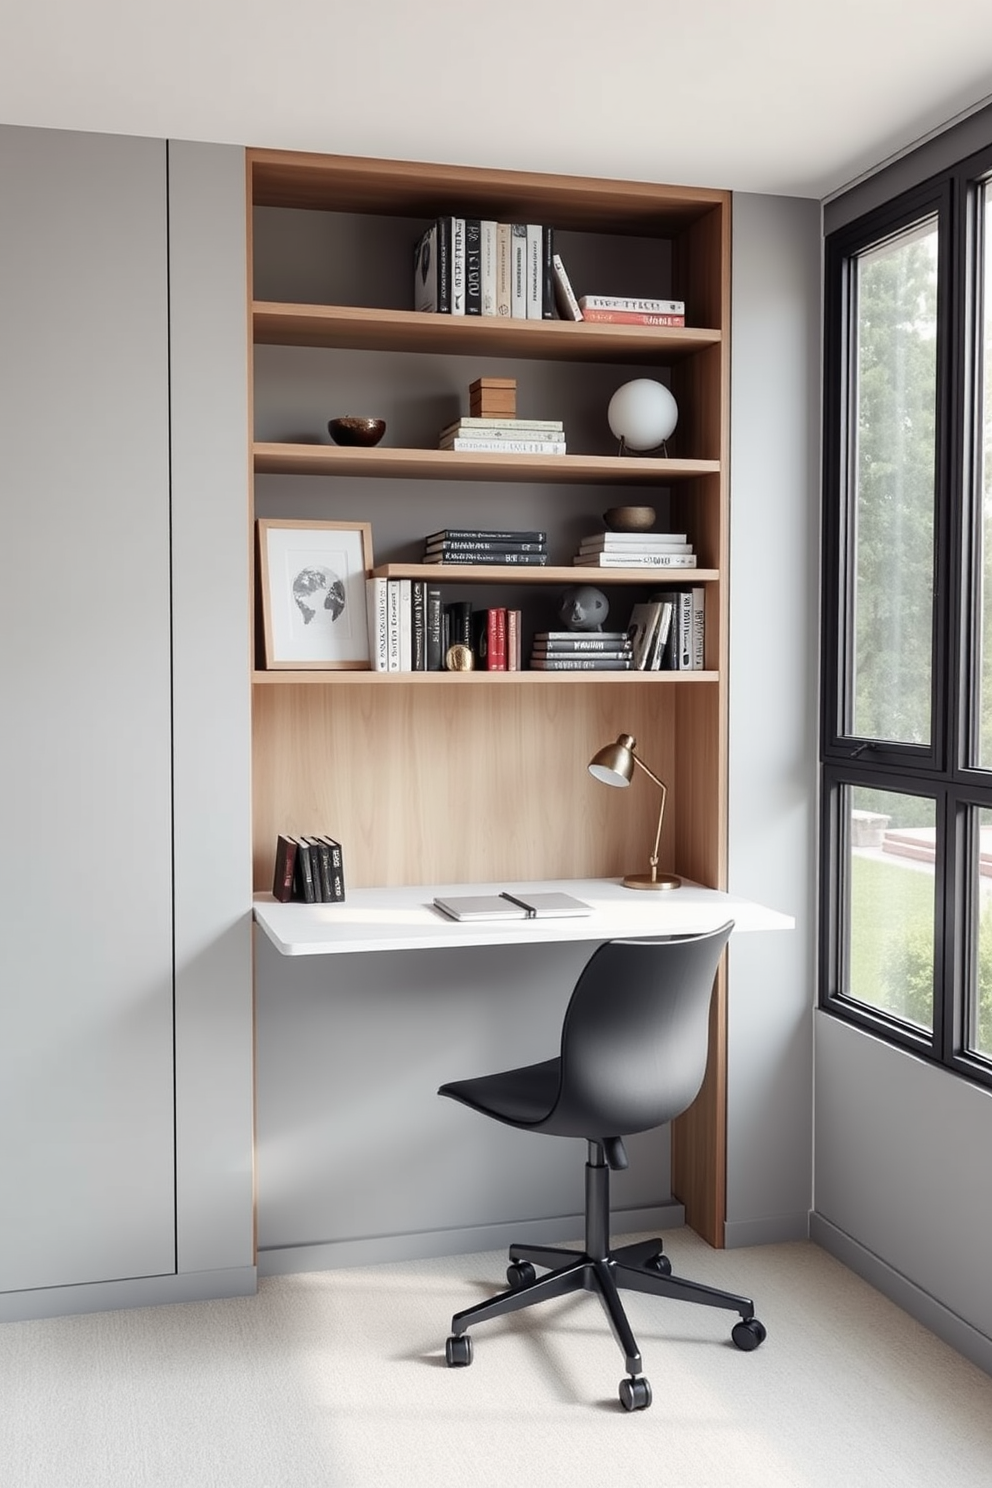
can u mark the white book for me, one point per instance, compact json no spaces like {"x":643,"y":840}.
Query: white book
{"x":660,"y":643}
{"x":642,"y":630}
{"x":406,"y":625}
{"x":488,"y":267}
{"x":393,"y":626}
{"x":377,"y":605}
{"x":465,"y":425}
{"x":518,"y":270}
{"x":635,"y":560}
{"x":501,"y":436}
{"x":504,"y":269}
{"x":458,"y":265}
{"x":643,"y":540}
{"x":683,"y":611}
{"x":589,"y":547}
{"x":626,"y":302}
{"x":509,"y":446}
{"x":567,"y":304}
{"x":535,"y":271}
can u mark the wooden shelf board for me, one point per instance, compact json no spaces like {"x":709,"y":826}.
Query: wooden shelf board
{"x":431,"y":464}
{"x":353,"y":327}
{"x":512,"y":573}
{"x":317,"y":678}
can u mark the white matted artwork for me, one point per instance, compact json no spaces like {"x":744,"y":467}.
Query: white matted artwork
{"x":313,"y":593}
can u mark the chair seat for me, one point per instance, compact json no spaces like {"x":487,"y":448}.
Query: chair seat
{"x":520,"y":1097}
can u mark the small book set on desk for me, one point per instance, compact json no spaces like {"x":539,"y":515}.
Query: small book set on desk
{"x":543,"y":905}
{"x":668,"y":632}
{"x":582,"y":651}
{"x":477,"y":266}
{"x":310,"y":869}
{"x":635,"y":550}
{"x":487,"y":545}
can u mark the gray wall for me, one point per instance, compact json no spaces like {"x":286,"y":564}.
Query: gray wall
{"x":775,"y":412}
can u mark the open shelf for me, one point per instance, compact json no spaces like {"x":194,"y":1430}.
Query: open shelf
{"x":432,"y":464}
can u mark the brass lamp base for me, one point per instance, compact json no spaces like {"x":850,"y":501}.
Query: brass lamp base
{"x":645,"y":881}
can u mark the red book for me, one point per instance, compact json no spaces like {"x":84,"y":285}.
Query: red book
{"x":496,"y":640}
{"x":513,"y":640}
{"x":632,"y":317}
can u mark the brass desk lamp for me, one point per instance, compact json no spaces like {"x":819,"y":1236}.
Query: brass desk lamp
{"x":614,"y":765}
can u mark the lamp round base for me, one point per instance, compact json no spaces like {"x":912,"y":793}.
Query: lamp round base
{"x":645,"y":881}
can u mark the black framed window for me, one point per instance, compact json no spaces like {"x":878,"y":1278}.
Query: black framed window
{"x":906,"y":716}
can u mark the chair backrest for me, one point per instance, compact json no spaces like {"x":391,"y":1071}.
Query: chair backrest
{"x":636,"y":1032}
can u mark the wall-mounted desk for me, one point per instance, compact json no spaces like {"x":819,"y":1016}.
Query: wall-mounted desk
{"x":404,"y":919}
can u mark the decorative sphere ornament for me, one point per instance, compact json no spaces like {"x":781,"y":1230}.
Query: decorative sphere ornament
{"x":583,"y":608}
{"x":642,"y":414}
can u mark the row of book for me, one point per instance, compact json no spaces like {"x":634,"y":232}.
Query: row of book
{"x":471,"y":266}
{"x":668,"y":632}
{"x":413,"y":629}
{"x":508,"y":436}
{"x":487,"y":545}
{"x":635,"y":550}
{"x":582,"y":651}
{"x":310,"y":869}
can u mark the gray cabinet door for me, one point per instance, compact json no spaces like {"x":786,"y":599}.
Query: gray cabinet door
{"x":86,"y":981}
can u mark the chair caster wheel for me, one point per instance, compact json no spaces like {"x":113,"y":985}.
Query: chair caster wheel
{"x":748,"y":1334}
{"x":519,"y":1274}
{"x":659,"y":1263}
{"x":635,"y":1394}
{"x":458,"y":1350}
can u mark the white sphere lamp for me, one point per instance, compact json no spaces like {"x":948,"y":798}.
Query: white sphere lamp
{"x":642,"y":414}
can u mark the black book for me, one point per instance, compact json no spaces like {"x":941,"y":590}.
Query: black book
{"x":547,"y":273}
{"x":480,"y":638}
{"x":305,"y":884}
{"x":320,"y":855}
{"x":482,"y":545}
{"x":459,"y":613}
{"x":466,"y":534}
{"x":473,"y":266}
{"x":418,"y":625}
{"x":435,"y":630}
{"x":580,"y":642}
{"x":335,"y":855}
{"x":539,"y":559}
{"x":442,"y":255}
{"x":285,"y":868}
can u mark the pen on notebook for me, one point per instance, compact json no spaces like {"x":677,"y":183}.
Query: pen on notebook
{"x":531,"y":911}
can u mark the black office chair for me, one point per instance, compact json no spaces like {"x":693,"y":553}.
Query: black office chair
{"x":633,"y":1056}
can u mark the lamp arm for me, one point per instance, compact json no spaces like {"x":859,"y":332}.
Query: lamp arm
{"x":661,"y":814}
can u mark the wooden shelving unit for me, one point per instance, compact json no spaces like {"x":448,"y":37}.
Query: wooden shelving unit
{"x":432,"y":777}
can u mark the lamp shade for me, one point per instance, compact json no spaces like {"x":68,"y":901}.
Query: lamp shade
{"x":614,"y":764}
{"x":642,"y":414}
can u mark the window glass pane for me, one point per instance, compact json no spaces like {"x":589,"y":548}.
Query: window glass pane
{"x":983,"y":391}
{"x":978,"y":1027}
{"x":890,"y":876}
{"x":892,"y":472}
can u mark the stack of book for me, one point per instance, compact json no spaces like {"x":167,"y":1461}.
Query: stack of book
{"x":635,"y":550}
{"x":508,"y":436}
{"x":668,"y":632}
{"x":487,"y":545}
{"x":626,"y":310}
{"x":581,"y":651}
{"x":472,"y":266}
{"x":310,"y":869}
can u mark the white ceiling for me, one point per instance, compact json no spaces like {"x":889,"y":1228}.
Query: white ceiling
{"x":795,"y":97}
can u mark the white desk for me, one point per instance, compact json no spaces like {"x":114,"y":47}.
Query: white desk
{"x":403,"y":919}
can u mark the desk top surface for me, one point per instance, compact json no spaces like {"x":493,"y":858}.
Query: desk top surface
{"x":403,"y":919}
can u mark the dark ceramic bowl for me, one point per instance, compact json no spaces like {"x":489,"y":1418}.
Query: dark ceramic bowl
{"x":351,"y":430}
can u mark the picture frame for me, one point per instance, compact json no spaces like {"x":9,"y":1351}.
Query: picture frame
{"x":312,"y":578}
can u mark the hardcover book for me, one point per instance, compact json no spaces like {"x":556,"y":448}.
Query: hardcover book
{"x":575,"y":637}
{"x":336,"y":869}
{"x":579,"y":644}
{"x":535,"y":271}
{"x":642,"y":630}
{"x":473,"y":266}
{"x":547,"y":273}
{"x":304,"y":882}
{"x":435,"y":629}
{"x":504,"y":269}
{"x":425,"y":270}
{"x":584,"y":663}
{"x":320,"y":857}
{"x":631,"y":317}
{"x":458,"y":265}
{"x":465,"y":425}
{"x":506,"y":446}
{"x":631,"y":302}
{"x":635,"y":560}
{"x":536,"y":560}
{"x":418,"y":627}
{"x":469,"y":545}
{"x":639,"y":540}
{"x":518,"y":270}
{"x":491,"y":534}
{"x":466,"y":437}
{"x":285,"y":868}
{"x":488,"y":267}
{"x":565,"y":300}
{"x":377,"y":603}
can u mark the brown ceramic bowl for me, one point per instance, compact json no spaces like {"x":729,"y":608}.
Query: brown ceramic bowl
{"x":629,"y":518}
{"x":353,"y":430}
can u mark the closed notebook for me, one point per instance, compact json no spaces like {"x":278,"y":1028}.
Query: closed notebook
{"x":510,"y":906}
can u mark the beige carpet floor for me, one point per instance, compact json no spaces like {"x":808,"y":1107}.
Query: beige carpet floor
{"x":337,"y":1380}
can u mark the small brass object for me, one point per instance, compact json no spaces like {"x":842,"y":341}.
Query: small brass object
{"x":460,"y":659}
